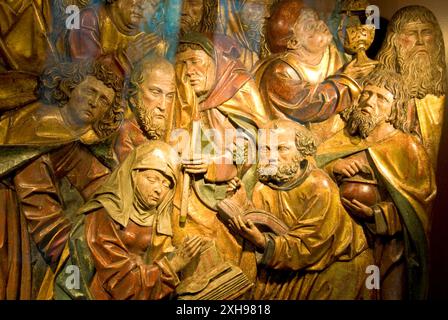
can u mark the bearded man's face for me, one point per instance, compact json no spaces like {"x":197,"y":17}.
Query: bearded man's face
{"x":279,"y":158}
{"x":155,"y":98}
{"x":416,"y":57}
{"x":374,"y":107}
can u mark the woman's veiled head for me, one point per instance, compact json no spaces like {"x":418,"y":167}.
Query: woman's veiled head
{"x":143,"y":185}
{"x":151,"y":187}
{"x":154,"y":171}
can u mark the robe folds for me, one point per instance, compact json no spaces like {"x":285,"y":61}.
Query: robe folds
{"x":430,"y":112}
{"x":119,"y":256}
{"x":404,"y":167}
{"x":100,"y":37}
{"x":119,"y":244}
{"x":324,"y":255}
{"x":309,"y":94}
{"x":232,"y":104}
{"x":37,"y":213}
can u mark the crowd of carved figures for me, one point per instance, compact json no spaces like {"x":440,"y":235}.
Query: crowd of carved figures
{"x":216,"y":149}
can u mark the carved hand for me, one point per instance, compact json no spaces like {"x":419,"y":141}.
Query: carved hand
{"x":347,"y":167}
{"x":358,"y":209}
{"x":141,"y":47}
{"x":248,"y":231}
{"x":356,"y":71}
{"x":189,"y":249}
{"x":195,"y":166}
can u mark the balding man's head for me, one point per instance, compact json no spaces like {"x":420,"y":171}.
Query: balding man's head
{"x":283,"y":154}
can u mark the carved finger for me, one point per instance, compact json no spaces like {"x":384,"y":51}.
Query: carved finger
{"x":235,"y":224}
{"x":358,"y":165}
{"x":192,"y":247}
{"x":195,"y":171}
{"x":193,"y":161}
{"x":354,"y":166}
{"x":348,"y":203}
{"x":195,"y":250}
{"x":359,"y":204}
{"x":243,"y":225}
{"x":251,"y":225}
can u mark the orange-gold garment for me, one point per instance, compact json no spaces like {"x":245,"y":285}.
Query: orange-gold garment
{"x":119,"y":256}
{"x":230,"y":24}
{"x":129,"y":136}
{"x":404,"y":167}
{"x":100,"y":36}
{"x":25,"y":49}
{"x":233,"y":103}
{"x":306,"y":93}
{"x":127,"y":240}
{"x":38,"y":124}
{"x":325,"y":253}
{"x":430,"y":111}
{"x":32,"y":209}
{"x":25,"y":26}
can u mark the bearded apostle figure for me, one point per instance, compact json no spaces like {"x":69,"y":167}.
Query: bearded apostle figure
{"x":301,"y":82}
{"x":151,"y":98}
{"x":387,"y":183}
{"x":414,"y":48}
{"x":324,"y":253}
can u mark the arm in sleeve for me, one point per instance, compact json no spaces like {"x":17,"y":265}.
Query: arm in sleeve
{"x":120,"y":273}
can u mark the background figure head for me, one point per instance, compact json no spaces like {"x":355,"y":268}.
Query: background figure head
{"x":89,"y":94}
{"x":152,"y":93}
{"x":309,"y":33}
{"x":197,"y":60}
{"x":383,"y":99}
{"x":198,"y":16}
{"x":414,"y":48}
{"x":284,"y":152}
{"x":132,"y":13}
{"x":253,"y":16}
{"x":281,"y":23}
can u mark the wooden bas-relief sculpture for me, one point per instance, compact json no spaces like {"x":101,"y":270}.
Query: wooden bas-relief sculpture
{"x":207,"y":149}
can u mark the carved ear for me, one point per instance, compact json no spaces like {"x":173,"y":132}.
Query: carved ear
{"x":292,"y":43}
{"x":303,"y":164}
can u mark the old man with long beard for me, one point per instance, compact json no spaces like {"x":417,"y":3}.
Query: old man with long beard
{"x":414,"y":48}
{"x":387,"y":183}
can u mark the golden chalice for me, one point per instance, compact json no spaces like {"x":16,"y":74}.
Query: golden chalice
{"x":357,"y":40}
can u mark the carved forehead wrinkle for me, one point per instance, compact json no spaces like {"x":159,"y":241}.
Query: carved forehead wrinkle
{"x":380,"y":90}
{"x":91,"y":81}
{"x":284,"y":134}
{"x":417,"y":24}
{"x":160,"y":77}
{"x":190,"y":54}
